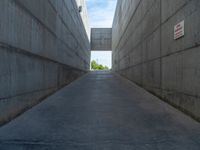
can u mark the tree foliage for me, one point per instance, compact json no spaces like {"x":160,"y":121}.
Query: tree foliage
{"x":96,"y":66}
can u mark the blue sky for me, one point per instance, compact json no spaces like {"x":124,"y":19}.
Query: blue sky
{"x":104,"y":57}
{"x":101,"y":13}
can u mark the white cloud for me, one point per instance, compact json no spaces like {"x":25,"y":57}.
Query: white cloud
{"x":101,"y":12}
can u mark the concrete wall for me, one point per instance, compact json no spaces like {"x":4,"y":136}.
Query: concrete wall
{"x":84,"y":15}
{"x":101,"y":39}
{"x":144,"y":49}
{"x":43,"y":46}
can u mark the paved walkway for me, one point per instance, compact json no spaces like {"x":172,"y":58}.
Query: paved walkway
{"x":101,"y":111}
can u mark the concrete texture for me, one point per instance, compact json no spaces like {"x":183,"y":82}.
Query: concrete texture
{"x":144,"y":49}
{"x":84,"y":15}
{"x":108,"y":113}
{"x":43,"y":46}
{"x":101,"y":39}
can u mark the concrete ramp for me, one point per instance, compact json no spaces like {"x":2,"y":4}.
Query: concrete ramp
{"x":101,"y":39}
{"x":118,"y":116}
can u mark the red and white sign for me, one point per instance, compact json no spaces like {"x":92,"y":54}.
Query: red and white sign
{"x":179,"y":30}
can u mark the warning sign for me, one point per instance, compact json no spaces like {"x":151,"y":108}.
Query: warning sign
{"x":179,"y":30}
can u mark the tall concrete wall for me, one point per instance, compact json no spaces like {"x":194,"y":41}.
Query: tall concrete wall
{"x":84,"y":15}
{"x":43,"y":46}
{"x":144,"y":49}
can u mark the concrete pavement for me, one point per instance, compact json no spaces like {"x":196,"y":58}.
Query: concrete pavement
{"x":101,"y":111}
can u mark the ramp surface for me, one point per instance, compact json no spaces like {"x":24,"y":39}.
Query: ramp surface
{"x":101,"y":111}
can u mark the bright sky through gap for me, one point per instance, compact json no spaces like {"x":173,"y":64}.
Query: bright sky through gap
{"x":101,"y":14}
{"x":102,"y":57}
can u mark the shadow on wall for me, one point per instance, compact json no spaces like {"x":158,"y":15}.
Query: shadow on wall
{"x":43,"y":47}
{"x":151,"y":49}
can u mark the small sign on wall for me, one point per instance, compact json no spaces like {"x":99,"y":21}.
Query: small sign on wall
{"x":179,"y":30}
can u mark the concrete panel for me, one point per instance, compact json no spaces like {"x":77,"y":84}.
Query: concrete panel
{"x":33,"y":28}
{"x":144,"y":49}
{"x":144,"y":22}
{"x":190,"y":14}
{"x":101,"y":39}
{"x":181,"y":72}
{"x":151,"y":77}
{"x":84,"y":15}
{"x":170,"y":7}
{"x":151,"y":46}
{"x":43,"y":46}
{"x":25,"y":79}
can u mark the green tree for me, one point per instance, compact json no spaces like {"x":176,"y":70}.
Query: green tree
{"x":96,"y":66}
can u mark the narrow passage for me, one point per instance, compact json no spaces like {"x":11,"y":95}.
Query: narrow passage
{"x":101,"y":111}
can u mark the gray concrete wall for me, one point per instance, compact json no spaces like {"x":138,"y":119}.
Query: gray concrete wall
{"x":84,"y":15}
{"x":101,"y":39}
{"x":144,"y":49}
{"x":43,"y":46}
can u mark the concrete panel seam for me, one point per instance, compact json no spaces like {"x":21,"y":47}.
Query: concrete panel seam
{"x":78,"y":41}
{"x":161,"y":57}
{"x":127,"y":39}
{"x":157,"y":28}
{"x":78,"y":16}
{"x":26,"y":93}
{"x":128,"y":23}
{"x":27,"y":53}
{"x":175,"y":12}
{"x":80,"y":19}
{"x":183,"y":93}
{"x":49,"y":30}
{"x":162,"y":23}
{"x":161,"y":73}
